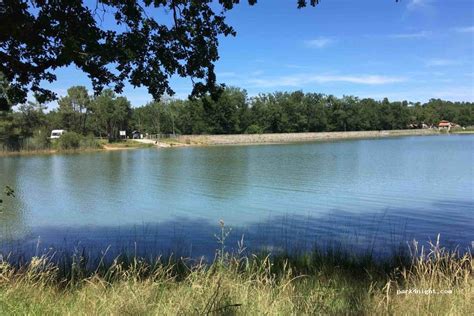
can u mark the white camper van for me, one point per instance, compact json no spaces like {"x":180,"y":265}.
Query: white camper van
{"x":56,"y":133}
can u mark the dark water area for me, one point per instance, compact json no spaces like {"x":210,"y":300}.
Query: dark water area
{"x":361,"y":195}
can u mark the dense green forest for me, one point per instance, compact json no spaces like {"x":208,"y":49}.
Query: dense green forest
{"x":230,"y":113}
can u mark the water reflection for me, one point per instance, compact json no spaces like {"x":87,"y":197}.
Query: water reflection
{"x":223,"y":173}
{"x":276,"y":194}
{"x":379,"y":233}
{"x":13,"y":211}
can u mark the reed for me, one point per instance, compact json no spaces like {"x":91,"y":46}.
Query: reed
{"x":318,"y":282}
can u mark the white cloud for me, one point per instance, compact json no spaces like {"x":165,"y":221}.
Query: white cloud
{"x":465,"y":93}
{"x":467,"y":29}
{"x":418,"y":4}
{"x":299,"y":80}
{"x":319,"y":42}
{"x":360,"y":79}
{"x":439,"y":62}
{"x":421,"y":34}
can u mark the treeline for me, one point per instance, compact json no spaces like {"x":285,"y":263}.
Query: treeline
{"x":284,"y":112}
{"x":232,"y":112}
{"x":83,"y":116}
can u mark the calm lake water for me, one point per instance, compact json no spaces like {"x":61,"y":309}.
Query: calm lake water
{"x":363,"y":194}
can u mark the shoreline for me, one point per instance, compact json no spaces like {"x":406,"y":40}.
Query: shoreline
{"x":285,"y":138}
{"x":44,"y":152}
{"x":239,"y":139}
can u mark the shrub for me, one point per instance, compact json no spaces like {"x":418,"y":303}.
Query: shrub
{"x":10,"y":143}
{"x":70,"y":140}
{"x":254,"y":129}
{"x":89,"y":141}
{"x":39,"y":141}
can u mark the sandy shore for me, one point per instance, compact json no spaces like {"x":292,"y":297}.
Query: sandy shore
{"x":110,"y":148}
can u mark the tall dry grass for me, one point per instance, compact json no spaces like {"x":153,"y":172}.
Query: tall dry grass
{"x":436,"y":281}
{"x":311,"y":283}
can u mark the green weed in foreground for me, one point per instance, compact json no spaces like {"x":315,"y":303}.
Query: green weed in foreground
{"x":313,"y":283}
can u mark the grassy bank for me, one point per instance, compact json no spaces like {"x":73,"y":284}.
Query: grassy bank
{"x":466,"y":130}
{"x":311,"y":283}
{"x":91,"y":146}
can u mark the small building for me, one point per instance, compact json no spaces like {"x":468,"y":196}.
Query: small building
{"x":57,"y":133}
{"x":445,"y":124}
{"x":136,"y":135}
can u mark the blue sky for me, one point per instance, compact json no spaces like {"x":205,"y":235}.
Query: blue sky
{"x":412,"y":50}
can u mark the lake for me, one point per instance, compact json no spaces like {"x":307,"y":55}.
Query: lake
{"x":371,"y":194}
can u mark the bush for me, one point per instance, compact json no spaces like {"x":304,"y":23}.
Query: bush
{"x":70,"y":140}
{"x":90,"y":142}
{"x":39,"y":141}
{"x":10,"y":143}
{"x":254,"y":129}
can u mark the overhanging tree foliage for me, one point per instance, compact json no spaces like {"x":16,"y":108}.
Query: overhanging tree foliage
{"x":144,"y":42}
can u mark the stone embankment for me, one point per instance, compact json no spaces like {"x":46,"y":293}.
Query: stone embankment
{"x":295,"y":137}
